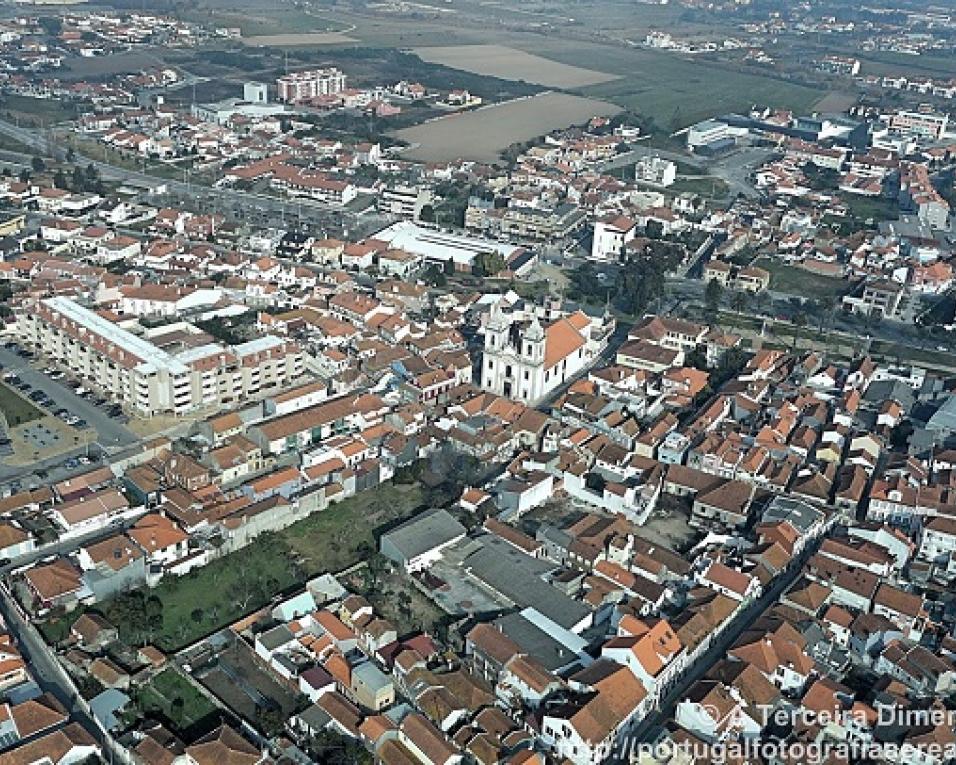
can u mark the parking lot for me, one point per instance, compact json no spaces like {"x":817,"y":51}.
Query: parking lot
{"x":65,"y":399}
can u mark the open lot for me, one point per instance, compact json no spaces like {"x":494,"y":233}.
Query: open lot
{"x":512,"y":64}
{"x":119,"y":63}
{"x":241,"y":684}
{"x":175,"y":698}
{"x":483,"y":134}
{"x":330,"y":540}
{"x":798,"y":281}
{"x":299,"y":39}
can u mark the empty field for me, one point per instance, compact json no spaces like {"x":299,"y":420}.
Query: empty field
{"x":673,"y":90}
{"x":481,"y":135}
{"x":300,"y":39}
{"x":512,"y":64}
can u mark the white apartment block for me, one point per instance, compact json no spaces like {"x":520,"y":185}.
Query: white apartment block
{"x":303,"y":86}
{"x":655,"y":170}
{"x":147,"y":379}
{"x":920,"y":124}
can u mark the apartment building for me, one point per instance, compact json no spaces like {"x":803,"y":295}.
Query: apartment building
{"x":296,"y":87}
{"x":145,"y":377}
{"x":920,"y":124}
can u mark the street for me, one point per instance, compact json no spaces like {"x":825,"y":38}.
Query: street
{"x":649,"y":728}
{"x":51,"y":677}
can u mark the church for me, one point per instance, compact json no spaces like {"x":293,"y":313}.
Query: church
{"x":525,"y":360}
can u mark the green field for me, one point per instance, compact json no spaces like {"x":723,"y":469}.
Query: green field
{"x":674,"y":91}
{"x":878,"y":208}
{"x":228,"y":588}
{"x":15,"y":408}
{"x":266,"y":21}
{"x":36,"y":111}
{"x":172,"y":695}
{"x":711,"y":187}
{"x":797,"y":281}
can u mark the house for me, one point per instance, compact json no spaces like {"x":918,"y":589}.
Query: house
{"x":586,"y":728}
{"x":419,"y":542}
{"x":223,"y":745}
{"x":727,"y":505}
{"x":730,"y":582}
{"x":648,"y":650}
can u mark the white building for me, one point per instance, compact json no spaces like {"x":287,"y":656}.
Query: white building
{"x":135,"y":371}
{"x":655,"y":170}
{"x":255,"y":93}
{"x":304,"y":86}
{"x":920,"y":124}
{"x":610,"y":236}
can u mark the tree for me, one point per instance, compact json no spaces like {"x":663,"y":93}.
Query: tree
{"x":799,"y":321}
{"x":712,"y":295}
{"x":595,"y":482}
{"x":37,"y":164}
{"x":488,"y":263}
{"x":738,"y":300}
{"x":427,"y":214}
{"x":197,"y":615}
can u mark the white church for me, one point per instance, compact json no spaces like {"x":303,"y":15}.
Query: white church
{"x":525,"y":359}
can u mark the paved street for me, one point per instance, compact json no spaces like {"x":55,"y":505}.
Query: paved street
{"x":649,"y":728}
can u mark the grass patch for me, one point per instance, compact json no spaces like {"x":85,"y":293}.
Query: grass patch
{"x":36,"y":111}
{"x":230,"y":587}
{"x":929,"y":357}
{"x":333,"y":539}
{"x":177,"y":699}
{"x":877,"y":208}
{"x":15,"y":408}
{"x":711,"y":187}
{"x":798,"y":281}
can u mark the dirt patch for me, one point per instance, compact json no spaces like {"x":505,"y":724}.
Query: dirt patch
{"x":512,"y":64}
{"x":301,"y":39}
{"x":835,"y":101}
{"x":481,"y":135}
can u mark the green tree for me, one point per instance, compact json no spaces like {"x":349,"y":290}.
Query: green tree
{"x":488,"y":263}
{"x":37,"y":164}
{"x":713,"y":293}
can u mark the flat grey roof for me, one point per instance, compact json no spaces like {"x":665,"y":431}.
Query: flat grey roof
{"x":423,"y":533}
{"x":518,"y":577}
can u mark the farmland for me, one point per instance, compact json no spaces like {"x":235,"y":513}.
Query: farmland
{"x":299,"y":39}
{"x":672,"y":90}
{"x":512,"y":64}
{"x":484,"y":133}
